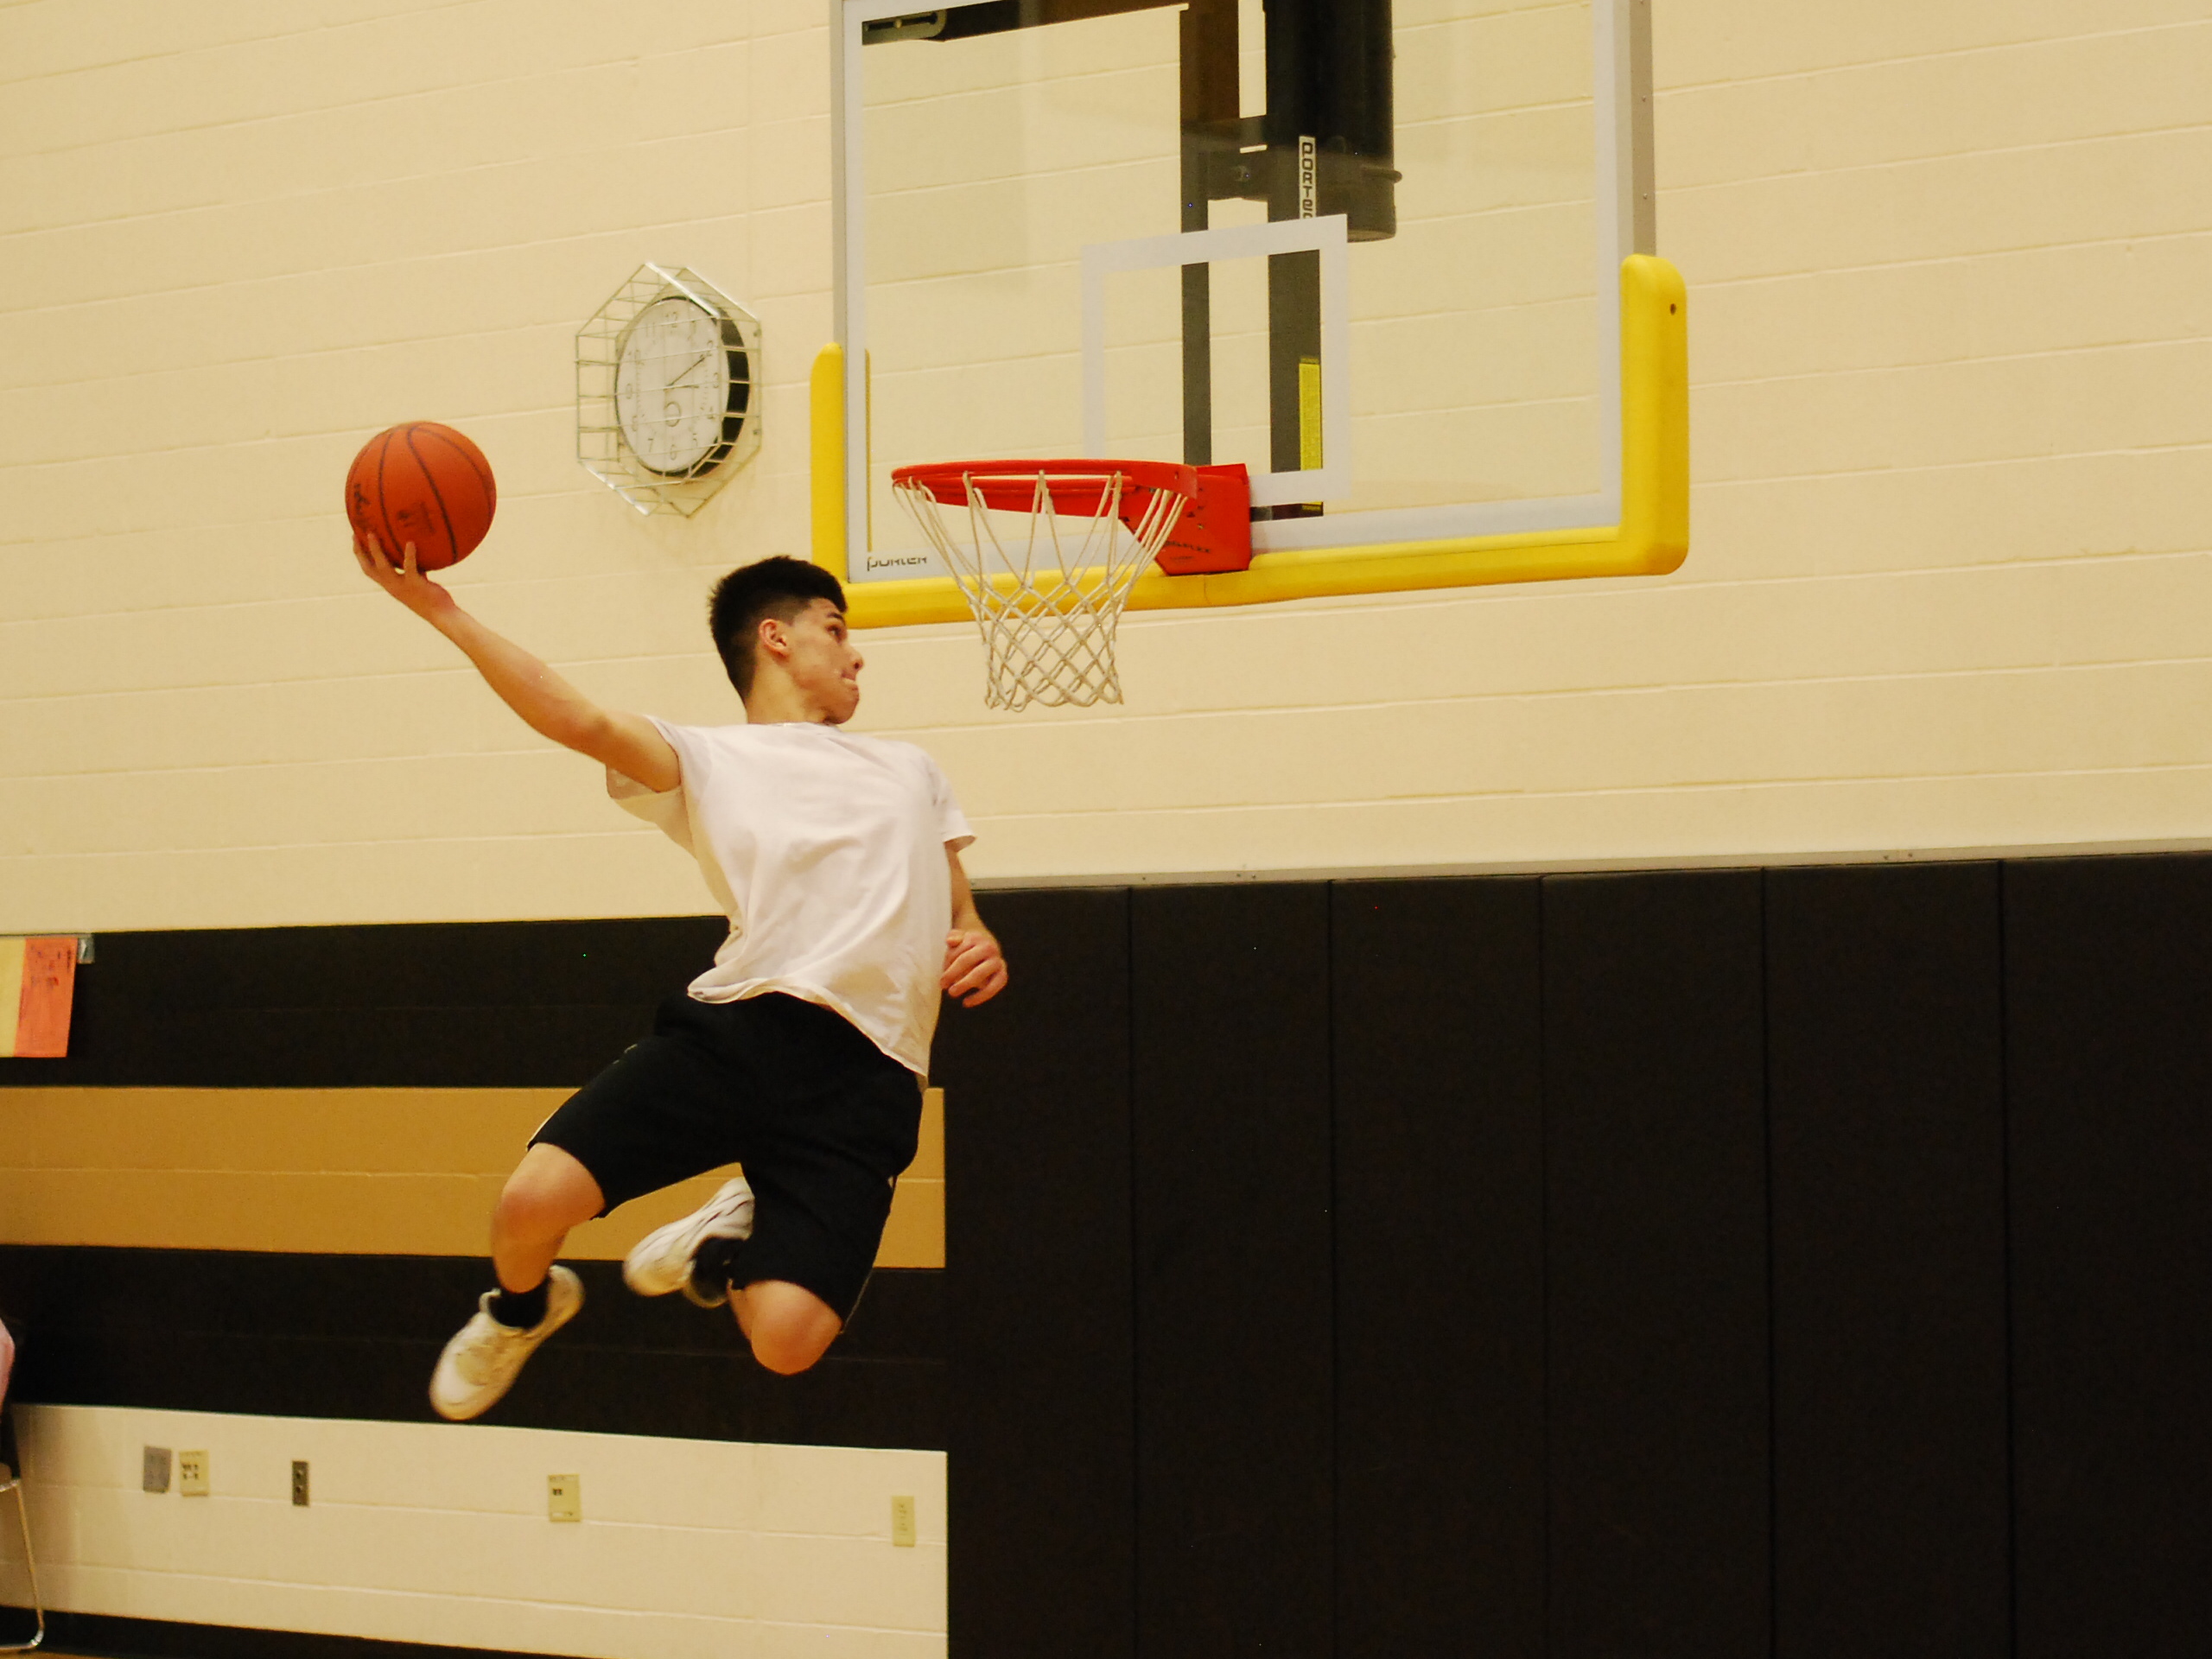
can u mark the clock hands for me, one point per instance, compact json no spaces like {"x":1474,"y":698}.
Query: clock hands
{"x":672,"y":411}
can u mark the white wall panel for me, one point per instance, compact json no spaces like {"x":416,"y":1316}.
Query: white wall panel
{"x":437,"y":1533}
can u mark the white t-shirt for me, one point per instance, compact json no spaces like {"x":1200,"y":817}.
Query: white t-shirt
{"x":826,"y":850}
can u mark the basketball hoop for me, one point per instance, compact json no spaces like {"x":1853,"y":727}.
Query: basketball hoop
{"x":1046,"y":557}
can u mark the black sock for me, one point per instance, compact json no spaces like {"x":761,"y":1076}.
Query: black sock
{"x":714,"y":1264}
{"x":521,"y":1309}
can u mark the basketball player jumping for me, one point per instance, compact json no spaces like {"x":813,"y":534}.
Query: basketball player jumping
{"x":800,"y":1053}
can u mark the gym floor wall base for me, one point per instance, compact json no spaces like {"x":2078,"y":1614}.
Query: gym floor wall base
{"x":104,"y":1636}
{"x":437,"y":1535}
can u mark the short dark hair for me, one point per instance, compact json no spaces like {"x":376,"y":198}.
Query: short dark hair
{"x":777,"y":587}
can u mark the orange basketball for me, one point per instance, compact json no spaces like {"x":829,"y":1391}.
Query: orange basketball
{"x":423,"y":483}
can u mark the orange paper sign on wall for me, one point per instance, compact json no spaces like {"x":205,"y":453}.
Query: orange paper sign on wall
{"x":34,"y":1021}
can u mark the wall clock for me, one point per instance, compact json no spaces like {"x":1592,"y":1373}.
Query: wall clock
{"x":667,"y":385}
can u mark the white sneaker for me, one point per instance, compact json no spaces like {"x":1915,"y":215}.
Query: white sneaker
{"x":484,"y":1358}
{"x":661,"y":1260}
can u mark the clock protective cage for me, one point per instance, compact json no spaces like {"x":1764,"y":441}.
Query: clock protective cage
{"x":603,"y":446}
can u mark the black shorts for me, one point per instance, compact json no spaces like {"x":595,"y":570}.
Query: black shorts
{"x":823,"y":1120}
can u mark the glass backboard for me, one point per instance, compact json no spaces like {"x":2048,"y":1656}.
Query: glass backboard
{"x":1373,"y":251}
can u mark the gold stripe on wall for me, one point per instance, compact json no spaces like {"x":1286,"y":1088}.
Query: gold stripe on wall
{"x":371,"y":1172}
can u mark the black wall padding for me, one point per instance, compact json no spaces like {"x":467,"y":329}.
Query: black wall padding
{"x":356,"y":1336}
{"x":2108,"y":1025}
{"x":1656,"y":1244}
{"x":1042,"y":1472}
{"x":1712,"y":1264}
{"x":431,"y":1005}
{"x":1885,"y":1101}
{"x":1440,"y":1276}
{"x":1234,"y":1423}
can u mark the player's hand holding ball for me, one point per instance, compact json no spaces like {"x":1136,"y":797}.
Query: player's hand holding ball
{"x":420,"y":497}
{"x":403,"y":579}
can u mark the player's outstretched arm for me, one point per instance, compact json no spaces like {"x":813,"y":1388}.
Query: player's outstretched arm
{"x":547,"y":703}
{"x":975,"y":972}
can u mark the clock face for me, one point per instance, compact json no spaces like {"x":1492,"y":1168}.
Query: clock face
{"x":673,"y":388}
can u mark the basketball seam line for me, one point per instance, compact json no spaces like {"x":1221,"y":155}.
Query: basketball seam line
{"x":483,"y":476}
{"x":384,"y":518}
{"x":452,"y":543}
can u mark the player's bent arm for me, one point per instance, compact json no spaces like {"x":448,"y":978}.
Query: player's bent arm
{"x":548,"y":703}
{"x":975,"y":969}
{"x":965,"y":918}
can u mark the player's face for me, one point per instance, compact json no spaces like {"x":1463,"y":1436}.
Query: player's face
{"x":824,"y":662}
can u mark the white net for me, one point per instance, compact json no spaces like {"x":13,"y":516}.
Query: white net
{"x":1046,"y":557}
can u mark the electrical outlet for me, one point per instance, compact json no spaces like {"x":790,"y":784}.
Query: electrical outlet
{"x":155,"y":1477}
{"x":902,"y":1522}
{"x":299,"y":1483}
{"x":565,"y":1497}
{"x":192,"y":1474}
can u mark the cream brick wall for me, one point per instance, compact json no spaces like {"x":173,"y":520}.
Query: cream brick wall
{"x":420,"y":1532}
{"x":1951,"y":274}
